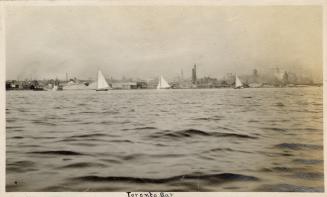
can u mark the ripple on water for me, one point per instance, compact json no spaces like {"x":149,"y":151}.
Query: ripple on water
{"x":308,"y":175}
{"x":216,"y":178}
{"x":298,"y":146}
{"x":84,"y":165}
{"x":57,"y":152}
{"x":120,"y":141}
{"x":288,"y":188}
{"x":195,"y":132}
{"x":21,"y":166}
{"x":307,"y":161}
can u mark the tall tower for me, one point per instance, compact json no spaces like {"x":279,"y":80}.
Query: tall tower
{"x":194,"y":79}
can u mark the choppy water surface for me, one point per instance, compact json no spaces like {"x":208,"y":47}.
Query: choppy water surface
{"x":170,"y":140}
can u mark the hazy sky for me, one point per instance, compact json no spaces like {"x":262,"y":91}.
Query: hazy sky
{"x":47,"y":42}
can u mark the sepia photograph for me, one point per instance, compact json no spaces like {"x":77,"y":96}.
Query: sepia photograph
{"x":163,"y":98}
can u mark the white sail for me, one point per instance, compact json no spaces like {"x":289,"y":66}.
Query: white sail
{"x":162,"y":83}
{"x":102,"y":83}
{"x":238,"y":83}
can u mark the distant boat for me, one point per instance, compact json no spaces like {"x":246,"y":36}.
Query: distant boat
{"x":238,"y":83}
{"x":163,"y":84}
{"x":102,"y":84}
{"x":57,"y":87}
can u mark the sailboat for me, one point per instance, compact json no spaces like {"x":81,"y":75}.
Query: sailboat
{"x":102,"y":84}
{"x":163,"y":84}
{"x":238,"y":83}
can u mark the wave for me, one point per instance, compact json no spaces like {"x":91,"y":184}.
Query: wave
{"x":21,"y":166}
{"x":14,"y":127}
{"x":110,"y":122}
{"x":306,"y":129}
{"x":288,"y":188}
{"x":309,"y":175}
{"x":122,"y":141}
{"x":89,"y":135}
{"x":132,"y":157}
{"x":111,"y":161}
{"x":275,"y":129}
{"x":140,"y":128}
{"x":145,"y":128}
{"x":195,"y":132}
{"x":22,"y":163}
{"x":297,"y":146}
{"x":280,"y":169}
{"x":44,"y":123}
{"x":279,"y":104}
{"x":110,"y":112}
{"x":88,"y":112}
{"x":225,"y":149}
{"x":83,"y":165}
{"x":209,"y":118}
{"x":235,"y":135}
{"x":307,"y":161}
{"x":216,"y":178}
{"x":68,"y":140}
{"x":275,"y":154}
{"x":139,"y":156}
{"x":43,"y":137}
{"x":84,"y":144}
{"x":18,"y":137}
{"x":58,"y":152}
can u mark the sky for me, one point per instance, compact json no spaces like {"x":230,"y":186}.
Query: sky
{"x":144,"y":42}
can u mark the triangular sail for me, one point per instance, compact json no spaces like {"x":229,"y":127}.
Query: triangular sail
{"x":238,"y":82}
{"x":102,"y":83}
{"x":162,"y":83}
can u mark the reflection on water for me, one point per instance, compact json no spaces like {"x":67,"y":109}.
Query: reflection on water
{"x":170,"y":140}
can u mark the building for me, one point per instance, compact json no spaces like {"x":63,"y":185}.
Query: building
{"x":141,"y":85}
{"x":124,"y":85}
{"x":194,"y":79}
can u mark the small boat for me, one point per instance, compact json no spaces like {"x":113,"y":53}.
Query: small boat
{"x":163,"y":84}
{"x":39,"y":89}
{"x":238,"y":83}
{"x":102,"y":84}
{"x":57,"y":86}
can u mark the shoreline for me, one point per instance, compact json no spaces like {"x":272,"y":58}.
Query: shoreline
{"x":115,"y":89}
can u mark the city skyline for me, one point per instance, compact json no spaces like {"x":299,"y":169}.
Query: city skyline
{"x":145,"y":42}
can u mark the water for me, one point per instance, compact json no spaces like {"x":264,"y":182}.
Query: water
{"x":170,"y":140}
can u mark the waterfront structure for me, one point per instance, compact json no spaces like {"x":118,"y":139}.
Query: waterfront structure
{"x":124,"y":85}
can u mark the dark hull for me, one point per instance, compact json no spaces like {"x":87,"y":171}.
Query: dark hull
{"x":101,"y":90}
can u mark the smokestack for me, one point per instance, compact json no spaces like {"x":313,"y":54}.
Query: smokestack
{"x":194,"y":79}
